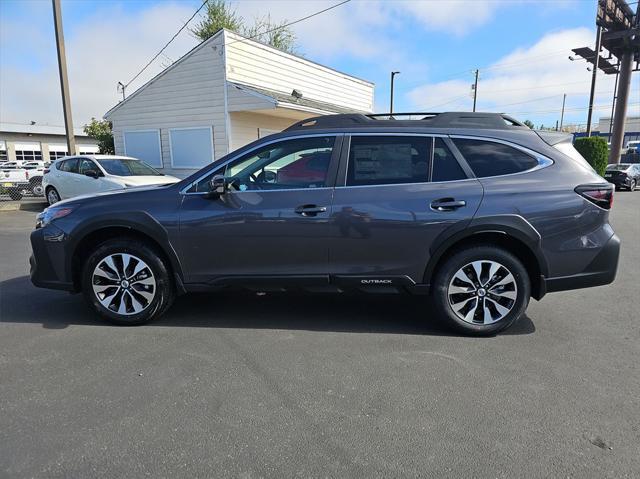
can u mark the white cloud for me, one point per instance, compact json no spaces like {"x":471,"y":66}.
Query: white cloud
{"x":529,"y":82}
{"x":110,"y":46}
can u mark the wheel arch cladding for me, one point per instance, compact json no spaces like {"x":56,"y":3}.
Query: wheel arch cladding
{"x":524,"y":244}
{"x":101,"y":230}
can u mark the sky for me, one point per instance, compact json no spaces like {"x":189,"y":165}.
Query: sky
{"x":520,"y":48}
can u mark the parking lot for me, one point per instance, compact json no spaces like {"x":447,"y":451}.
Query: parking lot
{"x":312,"y":386}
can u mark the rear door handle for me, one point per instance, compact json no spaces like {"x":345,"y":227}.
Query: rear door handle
{"x":447,"y":204}
{"x":310,"y":210}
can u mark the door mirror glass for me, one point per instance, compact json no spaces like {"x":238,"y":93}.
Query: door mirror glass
{"x":218,"y":185}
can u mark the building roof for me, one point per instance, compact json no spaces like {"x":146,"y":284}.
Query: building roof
{"x":209,"y":40}
{"x":286,"y":100}
{"x":38,"y":129}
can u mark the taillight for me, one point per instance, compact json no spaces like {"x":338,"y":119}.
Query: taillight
{"x":600,"y":195}
{"x":26,"y":174}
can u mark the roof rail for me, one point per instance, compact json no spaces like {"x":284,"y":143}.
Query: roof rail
{"x":496,"y":121}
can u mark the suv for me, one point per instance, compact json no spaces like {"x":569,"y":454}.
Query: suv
{"x":475,"y":210}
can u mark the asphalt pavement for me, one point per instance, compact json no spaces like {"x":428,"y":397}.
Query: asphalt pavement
{"x":317,"y":385}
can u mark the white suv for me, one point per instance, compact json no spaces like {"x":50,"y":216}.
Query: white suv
{"x":80,"y":175}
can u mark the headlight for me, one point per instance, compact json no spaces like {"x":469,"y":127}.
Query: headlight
{"x":50,"y":214}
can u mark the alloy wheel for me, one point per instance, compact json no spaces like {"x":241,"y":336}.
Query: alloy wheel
{"x":482,"y":292}
{"x":52,"y":197}
{"x":124,"y":284}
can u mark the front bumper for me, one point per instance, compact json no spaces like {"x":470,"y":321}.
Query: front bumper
{"x":602,"y":270}
{"x":48,"y":268}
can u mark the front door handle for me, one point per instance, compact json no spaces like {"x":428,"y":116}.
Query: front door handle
{"x":447,"y":204}
{"x":310,"y":210}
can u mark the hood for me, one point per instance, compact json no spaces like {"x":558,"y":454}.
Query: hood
{"x":82,"y":199}
{"x":148,"y":180}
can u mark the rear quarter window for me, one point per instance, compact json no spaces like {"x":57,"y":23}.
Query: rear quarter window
{"x":488,"y":158}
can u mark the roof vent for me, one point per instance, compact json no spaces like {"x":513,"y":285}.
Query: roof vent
{"x":297,"y":94}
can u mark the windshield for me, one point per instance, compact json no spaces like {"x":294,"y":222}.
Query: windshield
{"x":124,"y":167}
{"x":620,"y":167}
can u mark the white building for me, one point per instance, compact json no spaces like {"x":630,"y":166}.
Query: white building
{"x":223,"y":94}
{"x":40,"y":142}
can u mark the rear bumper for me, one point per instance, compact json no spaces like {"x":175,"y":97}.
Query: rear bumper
{"x":602,"y":270}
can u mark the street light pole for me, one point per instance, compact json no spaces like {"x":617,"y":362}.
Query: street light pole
{"x":564,"y":99}
{"x":393,"y":74}
{"x":64,"y":80}
{"x":593,"y":79}
{"x":475,"y":90}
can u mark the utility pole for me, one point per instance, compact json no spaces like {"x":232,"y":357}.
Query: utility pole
{"x":564,"y":99}
{"x":475,"y":90}
{"x":393,"y":74}
{"x":593,"y":78}
{"x":64,"y":80}
{"x":624,"y":82}
{"x":121,"y":88}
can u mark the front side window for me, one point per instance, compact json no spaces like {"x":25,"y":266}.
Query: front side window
{"x":125,"y":167}
{"x":289,"y":164}
{"x":488,"y":158}
{"x":388,"y":160}
{"x":87,"y":165}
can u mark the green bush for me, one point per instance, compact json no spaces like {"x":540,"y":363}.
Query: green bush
{"x":594,"y":150}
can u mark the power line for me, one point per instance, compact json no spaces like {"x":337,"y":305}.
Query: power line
{"x":167,"y":44}
{"x":280,"y":27}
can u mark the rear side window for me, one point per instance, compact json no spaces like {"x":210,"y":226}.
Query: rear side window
{"x":488,"y":158}
{"x":70,"y":166}
{"x":445,"y":165}
{"x":385,"y":160}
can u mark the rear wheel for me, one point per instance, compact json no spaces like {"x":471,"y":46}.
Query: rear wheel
{"x":632,"y":186}
{"x":481,"y":290}
{"x":127,"y":282}
{"x":52,"y":195}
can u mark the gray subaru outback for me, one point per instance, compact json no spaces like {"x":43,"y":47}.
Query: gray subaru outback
{"x":474,"y":211}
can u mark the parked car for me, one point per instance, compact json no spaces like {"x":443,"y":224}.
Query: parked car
{"x":80,"y":175}
{"x":10,"y":165}
{"x":475,"y":210}
{"x":633,"y":146}
{"x":623,"y":175}
{"x":18,"y":182}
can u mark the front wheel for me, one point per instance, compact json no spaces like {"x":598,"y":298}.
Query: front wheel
{"x":481,"y":290}
{"x":52,"y":196}
{"x":127,"y":282}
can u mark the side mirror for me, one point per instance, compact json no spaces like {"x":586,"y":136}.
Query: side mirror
{"x":218,"y":186}
{"x":92,"y":174}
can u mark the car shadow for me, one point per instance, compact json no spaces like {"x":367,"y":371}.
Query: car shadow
{"x":21,"y":302}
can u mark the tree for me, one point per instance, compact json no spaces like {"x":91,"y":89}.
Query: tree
{"x":100,"y":130}
{"x":529,"y":123}
{"x":594,"y":149}
{"x":220,"y":15}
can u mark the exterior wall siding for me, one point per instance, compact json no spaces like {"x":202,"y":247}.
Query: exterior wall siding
{"x":253,"y":63}
{"x":245,"y":126}
{"x":191,"y":94}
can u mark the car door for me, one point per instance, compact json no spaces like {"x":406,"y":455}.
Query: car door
{"x":64,"y":178}
{"x":270,"y":224}
{"x":395,"y":195}
{"x":87,"y":184}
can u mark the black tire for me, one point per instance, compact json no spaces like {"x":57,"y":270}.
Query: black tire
{"x":50,"y":194}
{"x":632,"y":186}
{"x":163,"y":292}
{"x":35,"y":187}
{"x":445,"y":275}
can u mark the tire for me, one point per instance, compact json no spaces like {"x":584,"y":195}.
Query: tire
{"x":52,"y":195}
{"x":15,"y":195}
{"x":36,"y":188}
{"x":126,"y":282}
{"x":632,"y":186}
{"x":506,"y":298}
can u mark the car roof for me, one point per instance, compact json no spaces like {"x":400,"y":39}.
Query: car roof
{"x":100,"y":157}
